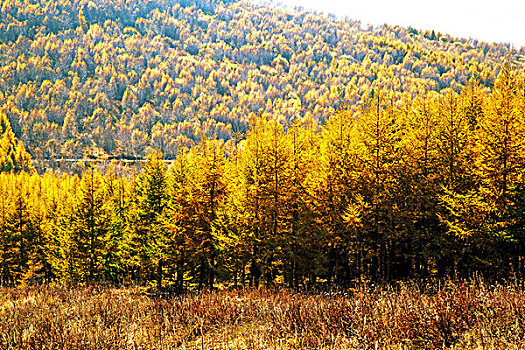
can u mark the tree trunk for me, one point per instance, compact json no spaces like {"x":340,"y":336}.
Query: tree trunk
{"x":159,"y":275}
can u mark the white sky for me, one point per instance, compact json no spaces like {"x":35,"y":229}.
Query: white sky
{"x":485,"y":20}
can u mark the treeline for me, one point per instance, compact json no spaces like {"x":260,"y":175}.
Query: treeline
{"x":416,"y":188}
{"x":114,"y":78}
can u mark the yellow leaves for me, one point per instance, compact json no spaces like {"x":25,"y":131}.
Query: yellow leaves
{"x":129,"y":99}
{"x":13,"y":156}
{"x":353,"y":214}
{"x":280,"y":61}
{"x":262,"y":62}
{"x":82,"y":20}
{"x":468,"y":213}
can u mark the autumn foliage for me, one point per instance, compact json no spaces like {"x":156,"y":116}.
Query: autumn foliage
{"x":424,"y":187}
{"x":153,"y":148}
{"x":117,"y":79}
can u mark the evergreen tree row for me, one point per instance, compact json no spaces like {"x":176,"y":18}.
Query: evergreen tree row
{"x":427,"y":187}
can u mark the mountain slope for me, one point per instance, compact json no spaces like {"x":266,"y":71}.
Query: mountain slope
{"x":109,"y":77}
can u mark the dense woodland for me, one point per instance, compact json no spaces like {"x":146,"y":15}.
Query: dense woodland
{"x":112,"y":78}
{"x":277,"y":147}
{"x":400,"y":188}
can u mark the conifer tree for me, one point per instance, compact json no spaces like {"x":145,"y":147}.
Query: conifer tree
{"x":151,"y":201}
{"x":46,"y":214}
{"x":501,"y":151}
{"x":336,"y":196}
{"x":422,"y":182}
{"x":209,"y":193}
{"x":7,"y":241}
{"x":21,"y":224}
{"x":456,"y":149}
{"x":90,"y":223}
{"x":13,"y":156}
{"x":381,"y":131}
{"x":251,"y":216}
{"x":116,"y":259}
{"x":232,"y":224}
{"x":302,"y":247}
{"x":275,"y":176}
{"x":180,"y":213}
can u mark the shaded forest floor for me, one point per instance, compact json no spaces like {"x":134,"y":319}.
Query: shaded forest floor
{"x":452,"y":315}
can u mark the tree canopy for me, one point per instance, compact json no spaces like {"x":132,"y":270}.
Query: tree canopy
{"x":399,"y":188}
{"x":117,"y":79}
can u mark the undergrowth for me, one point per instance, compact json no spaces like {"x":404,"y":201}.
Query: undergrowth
{"x":450,"y":315}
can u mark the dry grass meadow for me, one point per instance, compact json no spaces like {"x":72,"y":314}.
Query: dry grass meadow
{"x":449,"y":315}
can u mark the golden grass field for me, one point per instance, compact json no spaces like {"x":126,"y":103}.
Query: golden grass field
{"x":450,"y":315}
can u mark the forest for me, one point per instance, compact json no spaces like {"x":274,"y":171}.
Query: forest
{"x":207,"y":174}
{"x":115,"y":79}
{"x":188,"y":145}
{"x":425,"y":187}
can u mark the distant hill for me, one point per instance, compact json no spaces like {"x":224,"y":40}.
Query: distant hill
{"x":116,"y":78}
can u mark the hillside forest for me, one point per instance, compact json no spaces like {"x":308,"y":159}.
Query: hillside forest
{"x":117,"y":79}
{"x":273,"y":147}
{"x":425,"y":187}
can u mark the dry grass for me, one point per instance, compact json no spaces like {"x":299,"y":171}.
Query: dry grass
{"x":457,"y":315}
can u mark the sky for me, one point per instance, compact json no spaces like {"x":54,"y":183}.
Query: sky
{"x":501,"y":21}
